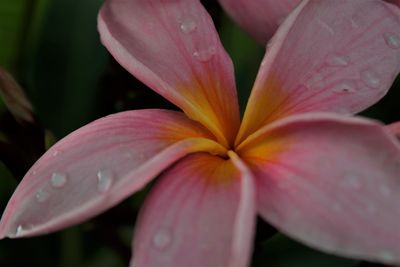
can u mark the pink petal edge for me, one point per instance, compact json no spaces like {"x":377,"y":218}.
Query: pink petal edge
{"x":259,"y":18}
{"x":97,"y":166}
{"x":337,"y":56}
{"x":395,"y":129}
{"x":334,"y":186}
{"x":173,"y":47}
{"x":197,"y":215}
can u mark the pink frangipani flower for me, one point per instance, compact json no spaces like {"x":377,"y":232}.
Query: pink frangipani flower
{"x":326,"y":179}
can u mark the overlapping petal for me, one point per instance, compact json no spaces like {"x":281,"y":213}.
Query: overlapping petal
{"x":173,"y":47}
{"x":395,"y":2}
{"x":330,"y":182}
{"x":201,"y":213}
{"x":259,"y":18}
{"x":340,"y":56}
{"x":97,"y":166}
{"x":395,"y":129}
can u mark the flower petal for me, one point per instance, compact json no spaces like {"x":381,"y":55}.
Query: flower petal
{"x":201,"y":213}
{"x":259,"y":18}
{"x":339,"y":56}
{"x":395,"y":2}
{"x":173,"y":47}
{"x":395,"y":128}
{"x":98,"y":166}
{"x":331,"y":182}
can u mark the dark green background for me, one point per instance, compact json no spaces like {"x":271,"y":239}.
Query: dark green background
{"x":53,"y":49}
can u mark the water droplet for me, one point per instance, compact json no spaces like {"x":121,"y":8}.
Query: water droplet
{"x":386,"y":256}
{"x":206,"y":54}
{"x":104,"y":180}
{"x":19,"y":231}
{"x":315,"y":82}
{"x":385,"y":190}
{"x":351,"y":181}
{"x":162,"y":239}
{"x":337,"y":61}
{"x":345,"y":87}
{"x":55,"y":153}
{"x":326,"y":26}
{"x":188,"y":26}
{"x":58,"y":179}
{"x":41,"y":196}
{"x":370,"y":78}
{"x":392,"y":40}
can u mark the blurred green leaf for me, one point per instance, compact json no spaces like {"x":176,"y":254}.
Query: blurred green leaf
{"x":11,"y":20}
{"x":246,"y":55}
{"x":281,"y":251}
{"x":67,"y":66}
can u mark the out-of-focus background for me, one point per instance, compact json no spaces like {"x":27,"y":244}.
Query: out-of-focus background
{"x":52,"y":49}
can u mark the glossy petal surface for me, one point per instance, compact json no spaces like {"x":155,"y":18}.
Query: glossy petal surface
{"x":339,"y":56}
{"x":330,"y":182}
{"x":96,"y":167}
{"x":173,"y":47}
{"x":201,"y":213}
{"x":259,"y":18}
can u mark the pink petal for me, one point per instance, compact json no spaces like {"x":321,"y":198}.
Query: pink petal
{"x":201,"y":213}
{"x":395,"y":2}
{"x":331,"y":182}
{"x":259,"y":18}
{"x":173,"y":47}
{"x":395,"y":129}
{"x":339,"y":56}
{"x":98,"y":166}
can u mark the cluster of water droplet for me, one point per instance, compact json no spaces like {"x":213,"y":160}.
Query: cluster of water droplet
{"x":188,"y":26}
{"x":368,"y":76}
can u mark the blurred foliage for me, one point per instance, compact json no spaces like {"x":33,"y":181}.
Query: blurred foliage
{"x":52,"y":48}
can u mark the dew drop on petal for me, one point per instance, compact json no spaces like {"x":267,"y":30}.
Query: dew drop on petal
{"x":55,"y":153}
{"x":188,"y":26}
{"x":345,"y":87}
{"x":58,"y":179}
{"x":370,"y":78}
{"x":104,"y":180}
{"x":314,"y":82}
{"x":41,"y":196}
{"x":162,"y":239}
{"x":351,"y":181}
{"x":19,"y":231}
{"x":326,"y":26}
{"x":337,"y":61}
{"x":206,"y":54}
{"x":392,"y":40}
